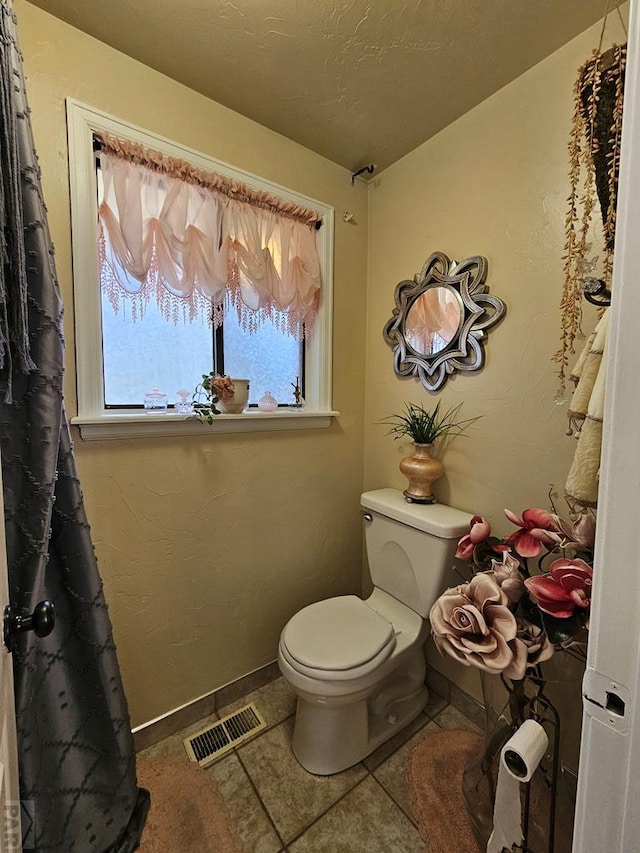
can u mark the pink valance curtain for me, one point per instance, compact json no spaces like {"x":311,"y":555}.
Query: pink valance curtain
{"x":191,"y":239}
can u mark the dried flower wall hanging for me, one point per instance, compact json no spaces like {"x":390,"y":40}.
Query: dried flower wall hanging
{"x":594,"y":162}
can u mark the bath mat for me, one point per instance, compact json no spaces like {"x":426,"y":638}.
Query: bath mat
{"x":435,"y":772}
{"x":187,"y":813}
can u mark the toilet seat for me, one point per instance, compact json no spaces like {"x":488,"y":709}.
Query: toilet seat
{"x":337,"y":639}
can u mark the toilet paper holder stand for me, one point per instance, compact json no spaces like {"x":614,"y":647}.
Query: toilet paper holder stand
{"x":544,"y":712}
{"x":541,"y":709}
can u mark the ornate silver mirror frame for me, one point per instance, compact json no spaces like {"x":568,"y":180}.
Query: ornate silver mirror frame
{"x":441,"y":319}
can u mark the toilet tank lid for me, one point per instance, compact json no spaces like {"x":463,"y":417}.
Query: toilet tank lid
{"x":439,"y":520}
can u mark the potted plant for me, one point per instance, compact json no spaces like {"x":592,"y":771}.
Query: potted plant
{"x":209,"y":394}
{"x":424,"y":428}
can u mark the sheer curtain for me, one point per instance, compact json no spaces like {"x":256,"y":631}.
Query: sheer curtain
{"x":185,"y":237}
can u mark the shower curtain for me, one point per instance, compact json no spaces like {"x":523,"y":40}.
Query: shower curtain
{"x":77,"y":764}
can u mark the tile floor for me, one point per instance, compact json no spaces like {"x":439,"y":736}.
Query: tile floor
{"x":280,"y":808}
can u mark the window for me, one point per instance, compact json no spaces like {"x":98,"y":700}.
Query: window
{"x":122,"y":352}
{"x":139,"y":356}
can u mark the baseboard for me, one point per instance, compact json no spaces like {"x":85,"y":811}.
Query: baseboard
{"x":173,"y":721}
{"x":454,"y":695}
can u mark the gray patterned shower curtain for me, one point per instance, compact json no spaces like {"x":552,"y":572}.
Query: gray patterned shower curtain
{"x":77,"y":763}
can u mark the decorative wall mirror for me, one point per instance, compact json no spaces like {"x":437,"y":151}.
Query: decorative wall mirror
{"x":441,"y":319}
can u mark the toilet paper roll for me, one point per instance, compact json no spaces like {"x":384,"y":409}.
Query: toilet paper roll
{"x":519,"y":758}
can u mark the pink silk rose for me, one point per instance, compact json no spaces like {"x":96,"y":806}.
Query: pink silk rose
{"x":536,"y":529}
{"x":479,"y":530}
{"x":224,"y":387}
{"x":473,"y":624}
{"x":567,"y":586}
{"x":508,"y":576}
{"x":536,"y":641}
{"x":580,"y":535}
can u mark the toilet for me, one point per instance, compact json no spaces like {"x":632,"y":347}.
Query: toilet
{"x":358,"y":667}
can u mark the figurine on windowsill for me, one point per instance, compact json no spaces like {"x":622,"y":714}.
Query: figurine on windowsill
{"x":298,"y":403}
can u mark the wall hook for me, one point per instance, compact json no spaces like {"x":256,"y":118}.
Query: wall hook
{"x":596,"y":291}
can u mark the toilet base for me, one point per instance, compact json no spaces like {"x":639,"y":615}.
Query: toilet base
{"x":329,"y":736}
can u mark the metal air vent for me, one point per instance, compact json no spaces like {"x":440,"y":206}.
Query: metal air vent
{"x":216,"y":740}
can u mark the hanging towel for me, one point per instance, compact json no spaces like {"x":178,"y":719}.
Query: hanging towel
{"x":585,"y":418}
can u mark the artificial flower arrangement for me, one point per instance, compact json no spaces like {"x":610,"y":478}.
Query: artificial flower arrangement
{"x":208,"y":392}
{"x":506,"y":620}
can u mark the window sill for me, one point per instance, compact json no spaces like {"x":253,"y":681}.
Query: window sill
{"x":126,"y":425}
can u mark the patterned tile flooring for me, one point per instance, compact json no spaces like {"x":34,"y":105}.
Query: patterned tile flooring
{"x":280,"y":808}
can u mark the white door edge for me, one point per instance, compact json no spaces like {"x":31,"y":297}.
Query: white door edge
{"x":607,"y":813}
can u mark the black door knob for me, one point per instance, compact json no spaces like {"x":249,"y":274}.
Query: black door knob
{"x":41,"y":622}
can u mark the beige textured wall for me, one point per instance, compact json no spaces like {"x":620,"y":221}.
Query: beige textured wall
{"x":494,"y":183}
{"x":207,"y":545}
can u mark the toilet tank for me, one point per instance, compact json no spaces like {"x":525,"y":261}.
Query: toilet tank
{"x":411,"y":546}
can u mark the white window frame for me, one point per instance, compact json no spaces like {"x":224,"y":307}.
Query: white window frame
{"x":94,"y":421}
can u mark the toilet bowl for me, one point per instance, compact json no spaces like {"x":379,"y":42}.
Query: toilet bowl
{"x":357,"y":666}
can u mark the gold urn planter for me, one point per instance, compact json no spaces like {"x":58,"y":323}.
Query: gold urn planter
{"x":424,"y":428}
{"x":421,"y":470}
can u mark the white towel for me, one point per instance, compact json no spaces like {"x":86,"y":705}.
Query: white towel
{"x":585,"y":418}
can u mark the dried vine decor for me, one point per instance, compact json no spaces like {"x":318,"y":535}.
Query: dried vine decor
{"x":594,"y":161}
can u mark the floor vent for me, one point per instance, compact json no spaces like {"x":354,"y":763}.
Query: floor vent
{"x":215,"y":741}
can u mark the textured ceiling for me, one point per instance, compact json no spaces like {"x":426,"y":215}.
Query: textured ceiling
{"x":358,"y":82}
